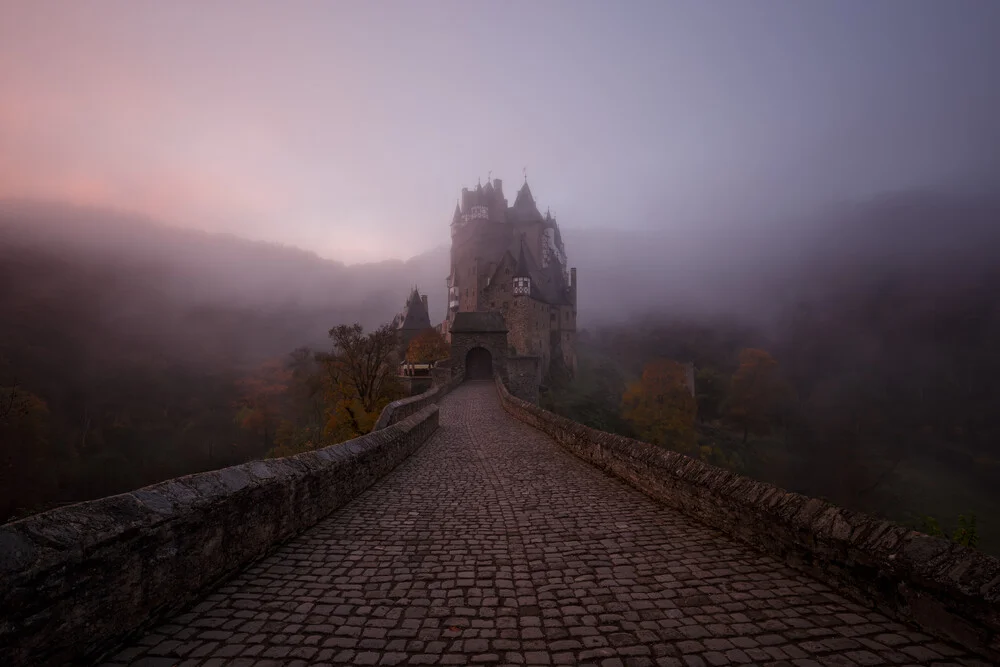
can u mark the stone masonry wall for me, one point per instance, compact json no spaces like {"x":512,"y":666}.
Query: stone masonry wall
{"x":399,"y":410}
{"x":524,"y":377}
{"x":76,"y":580}
{"x":462,"y":342}
{"x":949,"y":590}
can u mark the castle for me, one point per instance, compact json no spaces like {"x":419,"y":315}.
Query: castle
{"x":511,"y":260}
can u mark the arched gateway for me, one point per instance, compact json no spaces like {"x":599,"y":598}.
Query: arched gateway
{"x":479,"y":364}
{"x":478,"y":346}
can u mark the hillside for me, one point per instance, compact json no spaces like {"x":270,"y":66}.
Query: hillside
{"x":129,"y":341}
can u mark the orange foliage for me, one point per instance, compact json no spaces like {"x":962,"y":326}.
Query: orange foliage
{"x":755,"y":392}
{"x":262,"y":398}
{"x":428,"y":346}
{"x":660,"y":406}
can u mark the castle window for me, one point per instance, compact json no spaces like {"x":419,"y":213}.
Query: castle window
{"x":522,"y":285}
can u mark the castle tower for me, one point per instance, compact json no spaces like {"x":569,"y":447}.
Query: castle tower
{"x":511,"y":260}
{"x":413,"y":319}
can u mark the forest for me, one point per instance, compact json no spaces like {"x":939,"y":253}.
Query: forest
{"x":871,"y":382}
{"x":132,"y":353}
{"x":859,"y":366}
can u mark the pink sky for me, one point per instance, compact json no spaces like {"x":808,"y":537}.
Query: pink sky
{"x":348,"y":128}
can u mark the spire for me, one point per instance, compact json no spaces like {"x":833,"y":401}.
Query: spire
{"x":457,"y":218}
{"x":522,"y":276}
{"x":524,"y":195}
{"x":523,"y":265}
{"x":524,"y":204}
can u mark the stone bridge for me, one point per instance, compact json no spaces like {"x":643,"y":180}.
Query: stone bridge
{"x":484,"y":531}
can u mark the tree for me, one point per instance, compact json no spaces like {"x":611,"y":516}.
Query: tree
{"x":755,"y":392}
{"x":26,"y":465}
{"x":712,"y":387}
{"x":262,"y":399}
{"x":360,"y":378}
{"x":426,"y":347}
{"x":660,"y":406}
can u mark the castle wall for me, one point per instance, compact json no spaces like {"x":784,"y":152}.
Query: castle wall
{"x":524,"y":377}
{"x":494,"y":342}
{"x":530,"y":327}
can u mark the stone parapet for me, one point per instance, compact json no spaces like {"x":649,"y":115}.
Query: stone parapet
{"x":404,"y":407}
{"x":76,"y":580}
{"x":948,"y":590}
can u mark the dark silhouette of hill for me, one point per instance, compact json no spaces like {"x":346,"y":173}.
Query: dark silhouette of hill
{"x":195,"y":296}
{"x":132,"y":339}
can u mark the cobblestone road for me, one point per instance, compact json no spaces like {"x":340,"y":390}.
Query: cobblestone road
{"x":493,"y":546}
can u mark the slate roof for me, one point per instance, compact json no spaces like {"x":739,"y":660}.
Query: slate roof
{"x":524,"y":205}
{"x":415,"y":316}
{"x":479,"y":322}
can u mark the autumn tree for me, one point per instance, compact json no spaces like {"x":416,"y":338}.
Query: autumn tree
{"x":712,"y":387}
{"x":755,"y":393}
{"x":427,"y":346}
{"x":360,"y":378}
{"x":25,"y":463}
{"x":263,"y":399}
{"x":660,"y":406}
{"x":301,"y":428}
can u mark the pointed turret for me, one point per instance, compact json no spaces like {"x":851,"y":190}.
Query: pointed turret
{"x":524,"y":195}
{"x":414,"y":317}
{"x":522,"y":274}
{"x":525,"y":205}
{"x":457,"y":218}
{"x":523,"y":269}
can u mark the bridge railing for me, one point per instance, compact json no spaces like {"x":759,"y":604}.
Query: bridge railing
{"x":404,"y":407}
{"x":77,"y":580}
{"x":950,"y":590}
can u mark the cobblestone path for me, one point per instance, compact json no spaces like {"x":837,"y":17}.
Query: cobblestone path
{"x":494,"y":546}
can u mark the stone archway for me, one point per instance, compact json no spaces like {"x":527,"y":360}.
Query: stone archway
{"x":479,"y":364}
{"x":483,"y":330}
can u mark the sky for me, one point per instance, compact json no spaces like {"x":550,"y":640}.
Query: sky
{"x":349,"y":128}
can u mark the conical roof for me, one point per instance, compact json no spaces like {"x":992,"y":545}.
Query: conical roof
{"x":415,"y":316}
{"x":458,"y":214}
{"x":525,"y":205}
{"x":524,"y":267}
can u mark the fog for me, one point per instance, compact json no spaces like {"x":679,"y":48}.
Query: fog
{"x":189,"y":192}
{"x":348,"y":129}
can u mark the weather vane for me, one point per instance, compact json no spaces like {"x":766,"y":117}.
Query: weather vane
{"x":525,"y":170}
